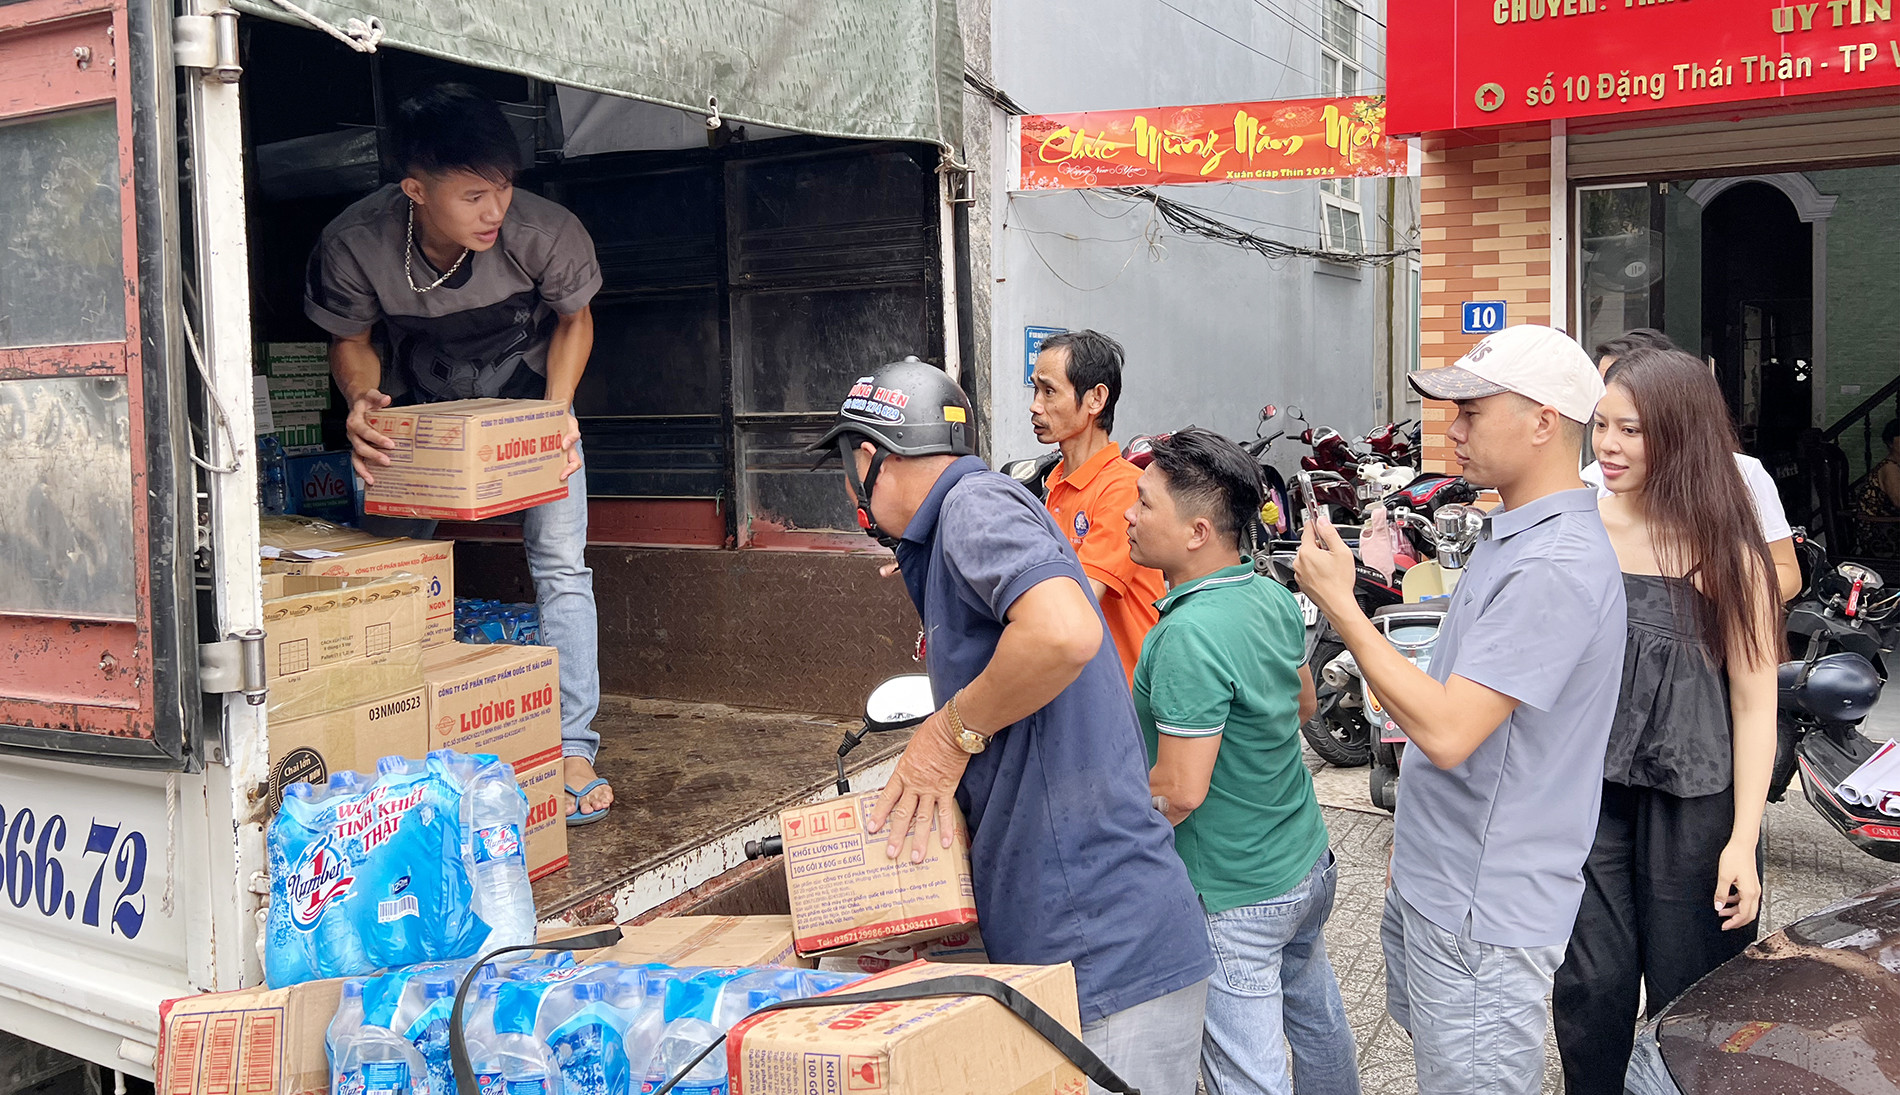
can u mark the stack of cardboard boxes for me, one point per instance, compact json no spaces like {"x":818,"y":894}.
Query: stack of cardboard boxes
{"x":270,"y":1041}
{"x":297,"y":382}
{"x":362,"y":665}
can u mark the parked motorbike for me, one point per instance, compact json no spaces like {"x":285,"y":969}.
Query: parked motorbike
{"x":1413,"y":629}
{"x":1034,"y":472}
{"x":1279,"y":522}
{"x":1340,"y":732}
{"x":1392,"y":443}
{"x":1843,"y":608}
{"x":898,"y":703}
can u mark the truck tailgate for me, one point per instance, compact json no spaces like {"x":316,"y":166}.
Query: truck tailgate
{"x":692,"y":783}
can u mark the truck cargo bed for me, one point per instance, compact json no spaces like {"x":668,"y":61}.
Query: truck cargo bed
{"x":692,"y":782}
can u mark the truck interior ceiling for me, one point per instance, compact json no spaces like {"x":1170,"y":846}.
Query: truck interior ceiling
{"x":750,"y":275}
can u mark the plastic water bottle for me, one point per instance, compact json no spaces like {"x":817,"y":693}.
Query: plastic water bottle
{"x":338,"y":945}
{"x":684,"y":1040}
{"x":273,"y":476}
{"x":429,"y":1032}
{"x":647,"y":1026}
{"x":339,"y":1040}
{"x":749,"y":992}
{"x":586,"y":1039}
{"x":367,"y":1059}
{"x":495,"y":820}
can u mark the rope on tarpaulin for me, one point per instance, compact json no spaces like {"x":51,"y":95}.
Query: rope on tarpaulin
{"x":361,"y":35}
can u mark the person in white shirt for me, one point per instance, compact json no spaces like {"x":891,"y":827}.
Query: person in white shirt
{"x":1769,"y":513}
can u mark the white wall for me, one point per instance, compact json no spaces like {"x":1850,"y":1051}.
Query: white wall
{"x":1212,"y":331}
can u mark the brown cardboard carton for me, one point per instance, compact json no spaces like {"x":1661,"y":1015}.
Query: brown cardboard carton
{"x":354,"y":738}
{"x":469,"y":459}
{"x":846,"y":893}
{"x":961,"y":946}
{"x":336,"y":643}
{"x":953,"y":1045}
{"x":249,"y":1042}
{"x":546,"y":837}
{"x":707,"y":941}
{"x":498,"y":699}
{"x":313,"y":547}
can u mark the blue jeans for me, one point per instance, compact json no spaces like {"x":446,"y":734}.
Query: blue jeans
{"x":1151,"y":1045}
{"x":1274,"y":987}
{"x":555,"y":535}
{"x":1475,"y":1010}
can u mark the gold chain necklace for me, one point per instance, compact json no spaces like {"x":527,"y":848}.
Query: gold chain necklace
{"x":408,"y":257}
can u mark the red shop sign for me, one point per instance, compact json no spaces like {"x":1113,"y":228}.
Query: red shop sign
{"x":1288,"y":139}
{"x":1457,"y":64}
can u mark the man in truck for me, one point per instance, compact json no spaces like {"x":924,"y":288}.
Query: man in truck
{"x":1036,"y":738}
{"x":451,"y":284}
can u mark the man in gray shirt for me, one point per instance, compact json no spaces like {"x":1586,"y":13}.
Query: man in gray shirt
{"x":1500,"y":789}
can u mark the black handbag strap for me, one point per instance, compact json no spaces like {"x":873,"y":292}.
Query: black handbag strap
{"x":1040,"y":1021}
{"x":458,"y":1042}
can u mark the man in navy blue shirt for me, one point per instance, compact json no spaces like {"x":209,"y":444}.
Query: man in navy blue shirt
{"x":1037,"y":740}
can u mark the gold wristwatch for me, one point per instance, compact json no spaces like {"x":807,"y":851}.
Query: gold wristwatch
{"x":968,"y":740}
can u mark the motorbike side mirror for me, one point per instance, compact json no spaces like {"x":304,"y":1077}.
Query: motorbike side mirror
{"x":899,"y":703}
{"x":1292,"y":411}
{"x":1268,"y":411}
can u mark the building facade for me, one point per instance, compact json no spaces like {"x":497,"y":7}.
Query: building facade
{"x":1723,"y":174}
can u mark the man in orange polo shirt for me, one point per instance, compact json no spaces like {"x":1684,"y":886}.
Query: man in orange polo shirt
{"x":1078,"y":378}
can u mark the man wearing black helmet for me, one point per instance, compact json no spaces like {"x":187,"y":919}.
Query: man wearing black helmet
{"x":1036,"y":740}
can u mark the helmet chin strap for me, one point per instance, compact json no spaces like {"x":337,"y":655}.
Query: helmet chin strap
{"x":862,"y":490}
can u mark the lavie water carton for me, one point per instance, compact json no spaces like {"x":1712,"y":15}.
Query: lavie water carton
{"x":469,"y":459}
{"x":846,"y":893}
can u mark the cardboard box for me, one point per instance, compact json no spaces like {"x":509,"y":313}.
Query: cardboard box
{"x":297,"y":359}
{"x":469,"y":459}
{"x":315,"y":547}
{"x":322,"y":485}
{"x":249,"y":1042}
{"x":334,"y":643}
{"x":299,"y":432}
{"x":308,"y":750}
{"x":707,"y":941}
{"x":953,"y":1045}
{"x":960,"y":947}
{"x":846,"y":893}
{"x":547,"y":826}
{"x":498,"y":699}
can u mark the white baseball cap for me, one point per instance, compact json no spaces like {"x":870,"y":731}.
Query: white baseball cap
{"x":1539,"y":363}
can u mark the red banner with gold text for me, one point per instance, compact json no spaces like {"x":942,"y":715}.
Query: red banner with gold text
{"x":1289,"y":139}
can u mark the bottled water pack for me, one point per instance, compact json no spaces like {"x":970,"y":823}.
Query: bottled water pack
{"x":551,"y":1027}
{"x":424,"y":862}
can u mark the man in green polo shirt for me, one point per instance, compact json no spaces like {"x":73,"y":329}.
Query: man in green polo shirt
{"x":1219,"y":691}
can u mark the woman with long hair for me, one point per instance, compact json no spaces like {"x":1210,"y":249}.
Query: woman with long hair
{"x":1673,"y":884}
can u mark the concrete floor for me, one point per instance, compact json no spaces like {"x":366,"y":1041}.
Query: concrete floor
{"x":1807,"y":866}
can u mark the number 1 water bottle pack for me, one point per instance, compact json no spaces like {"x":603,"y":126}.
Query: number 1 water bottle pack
{"x":550,"y":1027}
{"x":422,"y":862}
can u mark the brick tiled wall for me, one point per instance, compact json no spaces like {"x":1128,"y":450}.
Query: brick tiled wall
{"x":1486,"y":236}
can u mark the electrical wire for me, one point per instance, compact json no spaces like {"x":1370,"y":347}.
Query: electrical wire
{"x":1222,"y":33}
{"x":1269,"y":6}
{"x":1195,"y":222}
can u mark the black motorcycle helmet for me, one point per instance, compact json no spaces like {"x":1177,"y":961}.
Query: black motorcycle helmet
{"x":908,"y":407}
{"x":1839,"y":688}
